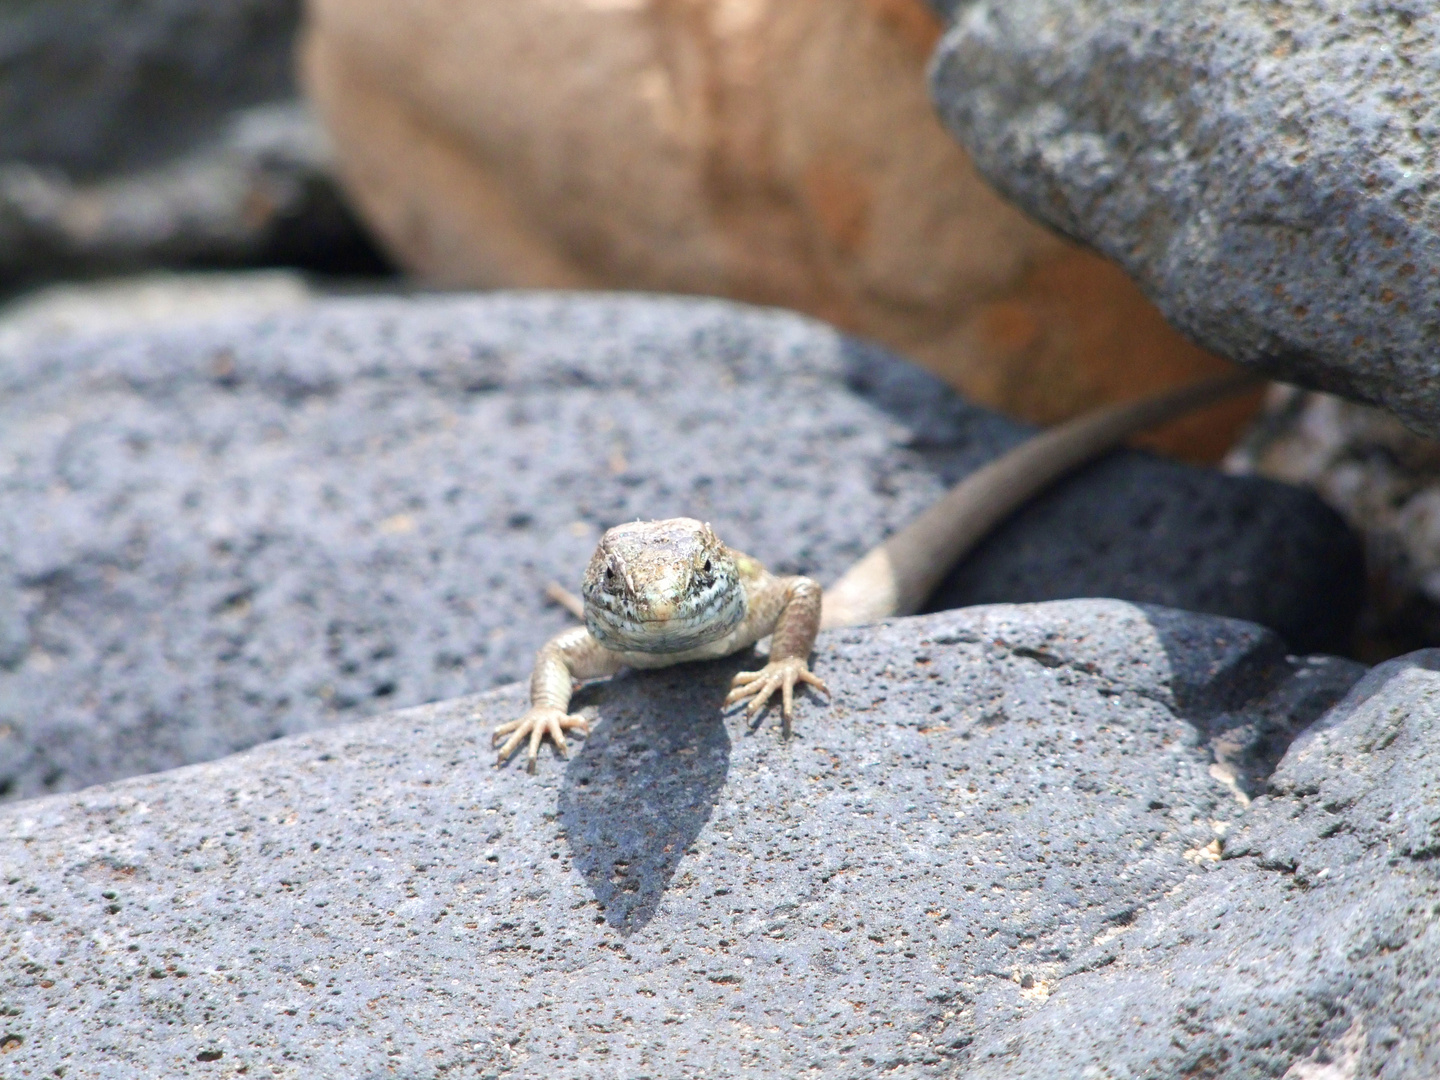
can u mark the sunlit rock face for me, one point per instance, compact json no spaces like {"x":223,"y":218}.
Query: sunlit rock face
{"x":1264,"y":171}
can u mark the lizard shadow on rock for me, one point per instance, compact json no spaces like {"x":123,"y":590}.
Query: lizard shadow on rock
{"x":646,"y":782}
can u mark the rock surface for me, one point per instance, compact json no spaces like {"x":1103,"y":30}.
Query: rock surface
{"x":220,"y":534}
{"x":1263,"y":171}
{"x":1384,"y":479}
{"x":776,"y":153}
{"x":58,"y":313}
{"x":996,"y":852}
{"x":96,"y":86}
{"x":1222,"y":555}
{"x":258,"y":191}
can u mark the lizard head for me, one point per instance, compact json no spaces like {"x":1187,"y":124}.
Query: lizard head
{"x":662,"y":587}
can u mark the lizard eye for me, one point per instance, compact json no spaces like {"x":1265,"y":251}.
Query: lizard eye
{"x":706,"y":567}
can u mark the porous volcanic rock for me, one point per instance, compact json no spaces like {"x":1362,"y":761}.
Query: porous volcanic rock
{"x":1005,"y":848}
{"x":1264,"y":171}
{"x":216,"y":534}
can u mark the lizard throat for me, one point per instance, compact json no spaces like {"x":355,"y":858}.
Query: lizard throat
{"x":695,"y":621}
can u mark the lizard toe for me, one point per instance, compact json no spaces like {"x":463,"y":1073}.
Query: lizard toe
{"x":511,"y":744}
{"x":505,"y":729}
{"x":535,"y":726}
{"x":762,"y":697}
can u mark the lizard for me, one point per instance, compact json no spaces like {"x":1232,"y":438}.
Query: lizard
{"x":658,"y":593}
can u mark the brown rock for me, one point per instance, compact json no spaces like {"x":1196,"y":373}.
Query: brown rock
{"x":775,"y":151}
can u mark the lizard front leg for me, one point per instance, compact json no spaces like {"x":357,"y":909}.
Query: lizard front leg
{"x":566,"y":657}
{"x":791,"y":643}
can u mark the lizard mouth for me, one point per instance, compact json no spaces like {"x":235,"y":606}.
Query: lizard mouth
{"x":678,"y":632}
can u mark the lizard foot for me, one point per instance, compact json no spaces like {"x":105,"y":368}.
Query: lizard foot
{"x":780,"y":675}
{"x":535,"y":725}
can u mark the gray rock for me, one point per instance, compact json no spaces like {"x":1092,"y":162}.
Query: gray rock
{"x":1228,"y":556}
{"x":221,"y":534}
{"x":95,"y":86}
{"x":141,"y":134}
{"x":1384,"y":480}
{"x":947,"y":9}
{"x":991,"y":854}
{"x":258,"y":191}
{"x":1316,"y":933}
{"x":1265,"y":172}
{"x":161,"y":299}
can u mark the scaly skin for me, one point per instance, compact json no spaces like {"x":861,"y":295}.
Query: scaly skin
{"x":663,"y":592}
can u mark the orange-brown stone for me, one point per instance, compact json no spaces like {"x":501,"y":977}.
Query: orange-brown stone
{"x":775,"y":151}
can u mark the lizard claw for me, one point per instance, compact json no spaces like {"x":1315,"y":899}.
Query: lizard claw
{"x":535,"y":725}
{"x":782,"y":675}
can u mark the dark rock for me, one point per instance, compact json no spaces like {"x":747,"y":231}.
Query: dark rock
{"x":995,"y":852}
{"x":1233,"y":556}
{"x":141,"y":134}
{"x":1384,"y":480}
{"x":97,"y":86}
{"x":948,"y":9}
{"x":259,"y":193}
{"x":1264,"y":171}
{"x":213,"y":536}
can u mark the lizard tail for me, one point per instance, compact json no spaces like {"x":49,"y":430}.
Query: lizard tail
{"x":896,"y":577}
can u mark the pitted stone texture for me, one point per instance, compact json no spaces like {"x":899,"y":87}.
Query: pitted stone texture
{"x":213,"y":536}
{"x":999,"y":805}
{"x":1263,"y":170}
{"x":1317,"y":931}
{"x":1078,"y":539}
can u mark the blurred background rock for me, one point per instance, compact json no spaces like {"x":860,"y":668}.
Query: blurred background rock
{"x":782,"y":153}
{"x":162,"y":133}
